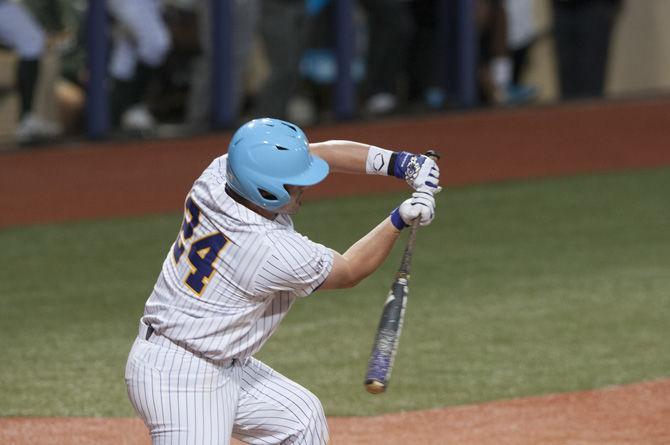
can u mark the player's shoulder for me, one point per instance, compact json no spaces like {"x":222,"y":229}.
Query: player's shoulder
{"x":210,"y":185}
{"x":216,"y":170}
{"x":286,"y":242}
{"x":282,"y":233}
{"x":293,"y":262}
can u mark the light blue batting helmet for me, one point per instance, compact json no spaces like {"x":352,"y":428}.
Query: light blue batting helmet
{"x":266,"y":154}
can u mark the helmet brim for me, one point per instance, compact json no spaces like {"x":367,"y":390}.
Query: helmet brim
{"x":316,"y":173}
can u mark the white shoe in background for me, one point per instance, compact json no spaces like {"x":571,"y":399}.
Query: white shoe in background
{"x":33,"y":128}
{"x":381,"y":103}
{"x":138,"y":118}
{"x":302,"y":111}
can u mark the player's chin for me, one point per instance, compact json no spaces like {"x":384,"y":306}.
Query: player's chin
{"x":289,"y":209}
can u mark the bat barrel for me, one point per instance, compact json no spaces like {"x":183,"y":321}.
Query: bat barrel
{"x":386,"y":341}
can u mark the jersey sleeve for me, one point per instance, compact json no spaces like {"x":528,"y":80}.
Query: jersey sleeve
{"x":295,"y":264}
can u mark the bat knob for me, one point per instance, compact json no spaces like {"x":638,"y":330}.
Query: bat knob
{"x":432,"y":154}
{"x":375,"y":387}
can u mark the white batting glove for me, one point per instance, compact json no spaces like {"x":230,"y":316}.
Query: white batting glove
{"x":428,"y":176}
{"x":421,"y":205}
{"x":418,"y":170}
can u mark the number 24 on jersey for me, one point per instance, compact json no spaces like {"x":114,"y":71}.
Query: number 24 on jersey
{"x":202,"y":252}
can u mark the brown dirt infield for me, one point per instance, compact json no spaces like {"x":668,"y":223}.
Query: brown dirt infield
{"x":623,"y":415}
{"x":110,"y":180}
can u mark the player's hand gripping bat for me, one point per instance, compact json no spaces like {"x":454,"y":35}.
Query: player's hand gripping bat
{"x":385,"y":346}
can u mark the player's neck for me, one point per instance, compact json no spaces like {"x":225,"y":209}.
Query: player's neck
{"x":250,"y":205}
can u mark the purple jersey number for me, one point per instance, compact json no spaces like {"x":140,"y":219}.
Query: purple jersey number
{"x":203,"y":252}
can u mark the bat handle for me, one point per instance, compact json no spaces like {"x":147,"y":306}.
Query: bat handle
{"x":434,"y":155}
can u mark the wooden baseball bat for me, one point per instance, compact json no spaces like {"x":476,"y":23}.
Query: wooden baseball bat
{"x":385,"y":346}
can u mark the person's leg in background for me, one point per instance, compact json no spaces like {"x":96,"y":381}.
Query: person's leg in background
{"x":582,"y":31}
{"x":595,"y":25}
{"x":495,"y":65}
{"x":246,"y":14}
{"x":284,"y":27}
{"x":245,"y":20}
{"x":21,"y":32}
{"x":199,"y":102}
{"x":521,"y":35}
{"x":389,"y":30}
{"x":567,"y":45}
{"x":425,"y":79}
{"x":125,"y":89}
{"x":140,"y":49}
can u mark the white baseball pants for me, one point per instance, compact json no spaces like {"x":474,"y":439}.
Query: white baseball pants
{"x":184,"y":399}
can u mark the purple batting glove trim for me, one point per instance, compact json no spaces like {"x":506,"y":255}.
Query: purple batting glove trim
{"x":400,"y":165}
{"x":396,"y":219}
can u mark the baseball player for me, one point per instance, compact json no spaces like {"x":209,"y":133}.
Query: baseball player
{"x":233,"y":273}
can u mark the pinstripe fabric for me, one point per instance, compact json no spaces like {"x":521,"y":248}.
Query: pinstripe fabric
{"x":264,"y":267}
{"x":194,"y":380}
{"x":274,"y":409}
{"x":182,"y":399}
{"x":185,"y":399}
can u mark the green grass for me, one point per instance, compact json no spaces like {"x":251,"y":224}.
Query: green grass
{"x":518,"y":289}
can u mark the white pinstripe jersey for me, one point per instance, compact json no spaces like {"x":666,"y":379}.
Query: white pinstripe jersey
{"x":231,"y":275}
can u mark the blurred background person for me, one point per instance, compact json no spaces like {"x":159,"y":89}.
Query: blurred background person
{"x":245,"y":24}
{"x":63,"y":20}
{"x":23,"y":34}
{"x":312,"y":100}
{"x":284,"y":27}
{"x":389,"y":28}
{"x":495,"y":64}
{"x":141,"y":42}
{"x":168,"y":89}
{"x":582,"y":31}
{"x":521,"y":35}
{"x":424,"y":70}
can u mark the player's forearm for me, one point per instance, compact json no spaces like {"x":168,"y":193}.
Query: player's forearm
{"x":368,"y":253}
{"x":355,"y":157}
{"x":342,"y":156}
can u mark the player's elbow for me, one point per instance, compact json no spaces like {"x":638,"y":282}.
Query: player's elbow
{"x":344,"y":274}
{"x":341,"y":279}
{"x":355,"y":271}
{"x":352,"y":280}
